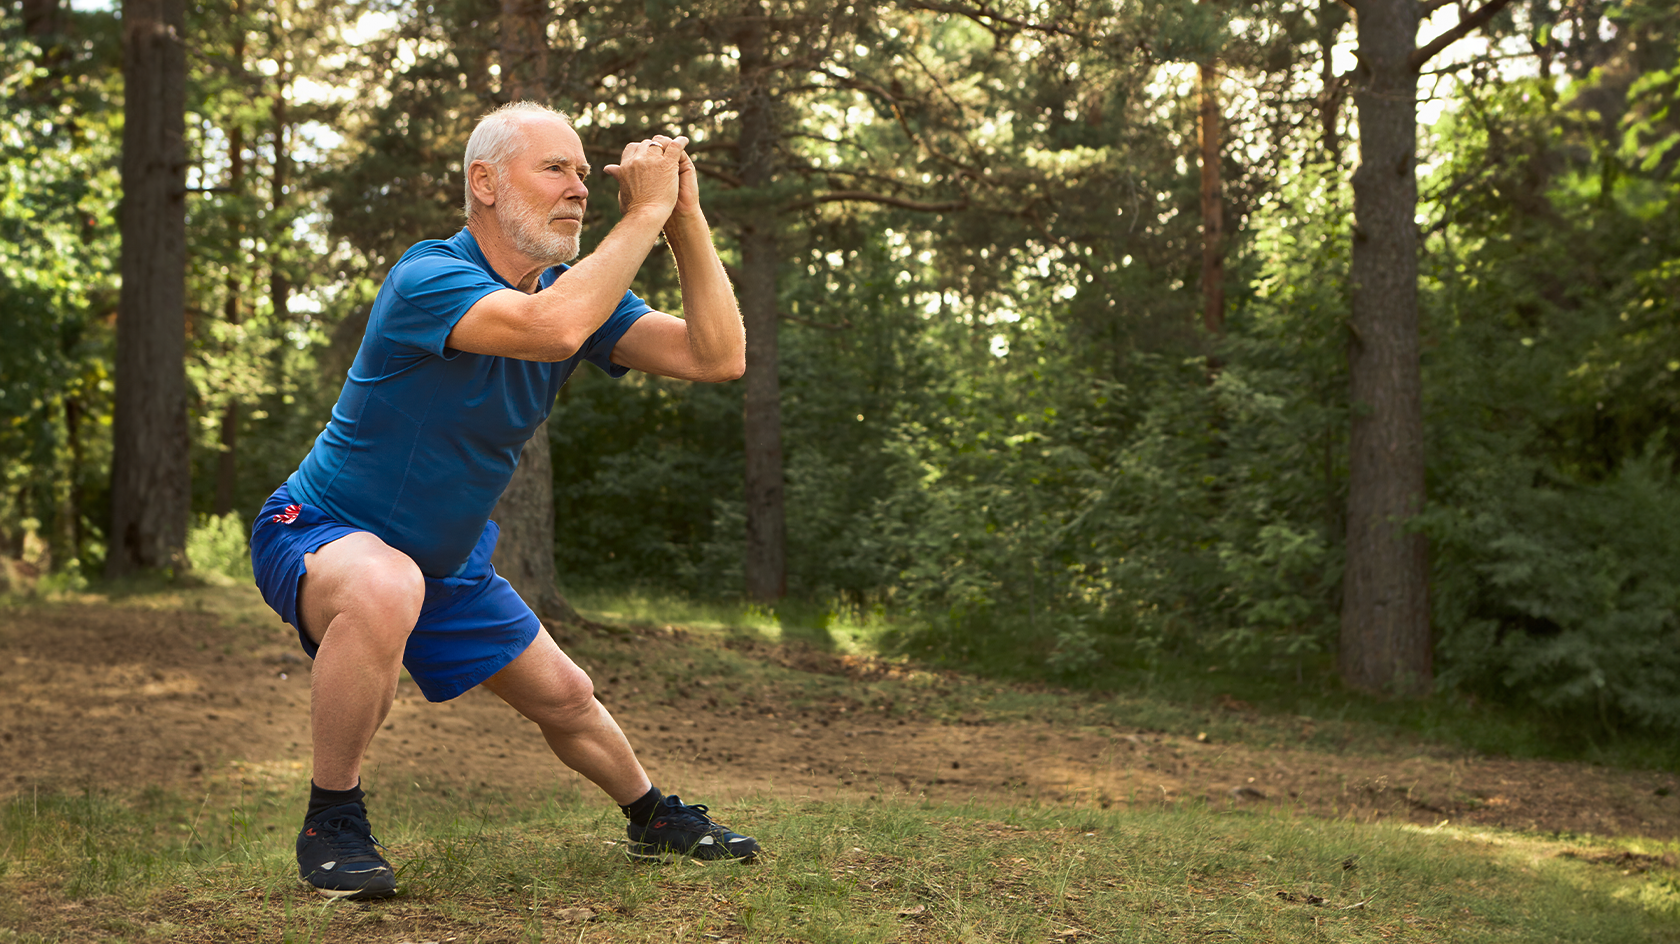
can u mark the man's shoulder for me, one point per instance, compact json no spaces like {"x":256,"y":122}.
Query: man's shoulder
{"x":436,"y":266}
{"x":457,"y":248}
{"x":430,"y":288}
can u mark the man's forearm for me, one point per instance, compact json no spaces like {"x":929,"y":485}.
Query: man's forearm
{"x":715,"y":334}
{"x":582,"y":299}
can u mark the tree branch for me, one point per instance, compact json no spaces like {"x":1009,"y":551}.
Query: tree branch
{"x":978,"y":13}
{"x":718,"y":173}
{"x":1466,"y":25}
{"x":864,"y":196}
{"x":1430,"y":6}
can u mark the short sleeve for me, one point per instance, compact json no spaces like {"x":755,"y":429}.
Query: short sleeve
{"x":436,"y":289}
{"x":598,"y":349}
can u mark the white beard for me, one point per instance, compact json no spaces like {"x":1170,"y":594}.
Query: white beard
{"x":528,"y":226}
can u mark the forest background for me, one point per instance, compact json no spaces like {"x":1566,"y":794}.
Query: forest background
{"x":1057,"y":299}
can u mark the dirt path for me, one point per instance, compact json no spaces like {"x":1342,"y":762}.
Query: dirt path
{"x":116,"y":698}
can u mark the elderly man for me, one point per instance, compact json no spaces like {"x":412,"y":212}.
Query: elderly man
{"x":377,"y":549}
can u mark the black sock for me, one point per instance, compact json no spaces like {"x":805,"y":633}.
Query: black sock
{"x":322,"y":800}
{"x":642,"y":811}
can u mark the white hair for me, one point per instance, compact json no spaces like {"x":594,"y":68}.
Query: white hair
{"x":498,"y":137}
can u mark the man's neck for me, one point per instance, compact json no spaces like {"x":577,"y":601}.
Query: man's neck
{"x":518,"y":269}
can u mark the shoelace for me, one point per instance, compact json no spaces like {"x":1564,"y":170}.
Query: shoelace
{"x":345,"y":834}
{"x":681,"y":810}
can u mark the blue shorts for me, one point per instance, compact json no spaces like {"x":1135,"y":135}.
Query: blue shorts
{"x":471,"y":625}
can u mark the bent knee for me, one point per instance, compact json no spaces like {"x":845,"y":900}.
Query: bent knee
{"x":389,"y":584}
{"x":361,"y":577}
{"x":575,"y":690}
{"x":567,"y":701}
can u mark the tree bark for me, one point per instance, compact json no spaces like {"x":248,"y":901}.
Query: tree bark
{"x":78,"y":498}
{"x":227,"y":460}
{"x":524,"y":52}
{"x":151,"y":479}
{"x":1213,"y":207}
{"x":279,"y":285}
{"x":766,"y":553}
{"x":42,"y":19}
{"x":1385,"y":634}
{"x":525,"y":552}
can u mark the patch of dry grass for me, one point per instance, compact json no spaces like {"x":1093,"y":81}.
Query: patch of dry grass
{"x":102,"y":870}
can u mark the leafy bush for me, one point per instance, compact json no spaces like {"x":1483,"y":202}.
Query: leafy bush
{"x":217,"y":545}
{"x":1564,"y":597}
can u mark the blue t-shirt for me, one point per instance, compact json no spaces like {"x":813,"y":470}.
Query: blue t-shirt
{"x":424,"y":438}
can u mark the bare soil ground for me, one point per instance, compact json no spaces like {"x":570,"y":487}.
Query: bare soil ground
{"x":118,"y":697}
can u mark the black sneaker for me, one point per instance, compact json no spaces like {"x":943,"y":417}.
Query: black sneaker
{"x":680,"y":829}
{"x":338,"y":856}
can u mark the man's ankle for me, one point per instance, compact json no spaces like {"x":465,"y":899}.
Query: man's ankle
{"x":321,"y":799}
{"x":642,"y":810}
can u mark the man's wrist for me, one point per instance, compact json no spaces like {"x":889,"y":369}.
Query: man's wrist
{"x":685,"y":227}
{"x":645,"y":214}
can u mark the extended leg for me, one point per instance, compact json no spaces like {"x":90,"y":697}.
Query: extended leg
{"x":546,"y":686}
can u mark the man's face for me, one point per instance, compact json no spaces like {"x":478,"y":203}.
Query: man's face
{"x":541,"y":196}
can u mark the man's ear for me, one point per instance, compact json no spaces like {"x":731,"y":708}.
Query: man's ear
{"x":483,"y":179}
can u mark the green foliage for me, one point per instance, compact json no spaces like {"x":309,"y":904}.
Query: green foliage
{"x":1553,"y":476}
{"x":217,"y":545}
{"x":1564,"y":596}
{"x":59,"y":134}
{"x":1068,"y":521}
{"x":1001,"y":426}
{"x":641,"y":465}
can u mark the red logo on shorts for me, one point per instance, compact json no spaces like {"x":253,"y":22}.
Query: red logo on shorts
{"x":288,"y":516}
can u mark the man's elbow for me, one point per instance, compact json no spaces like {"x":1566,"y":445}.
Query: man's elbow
{"x":560,"y":346}
{"x":727,"y":370}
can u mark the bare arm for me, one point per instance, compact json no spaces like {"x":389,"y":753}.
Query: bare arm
{"x":553,"y":324}
{"x":708,"y":343}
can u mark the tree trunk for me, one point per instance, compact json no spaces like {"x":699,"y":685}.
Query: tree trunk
{"x":525,"y":551}
{"x":227,"y":461}
{"x":524,"y":52}
{"x":1385,"y":638}
{"x":525,"y":513}
{"x":766,"y":556}
{"x":43,"y":20}
{"x":1213,"y":207}
{"x":78,"y":498}
{"x":151,"y":479}
{"x":279,"y":286}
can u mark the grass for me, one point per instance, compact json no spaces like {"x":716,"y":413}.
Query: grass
{"x":1306,"y":704}
{"x":1178,"y":696}
{"x":825,"y":626}
{"x":487,"y":866}
{"x":1301,"y":703}
{"x":491,"y":868}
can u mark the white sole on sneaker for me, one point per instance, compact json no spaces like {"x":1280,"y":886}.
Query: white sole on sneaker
{"x":357,"y":894}
{"x":672,"y":856}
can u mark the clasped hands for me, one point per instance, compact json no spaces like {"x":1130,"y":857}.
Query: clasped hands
{"x":656,"y":176}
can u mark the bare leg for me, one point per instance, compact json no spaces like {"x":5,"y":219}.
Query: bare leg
{"x":546,"y":686}
{"x":359,"y":602}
